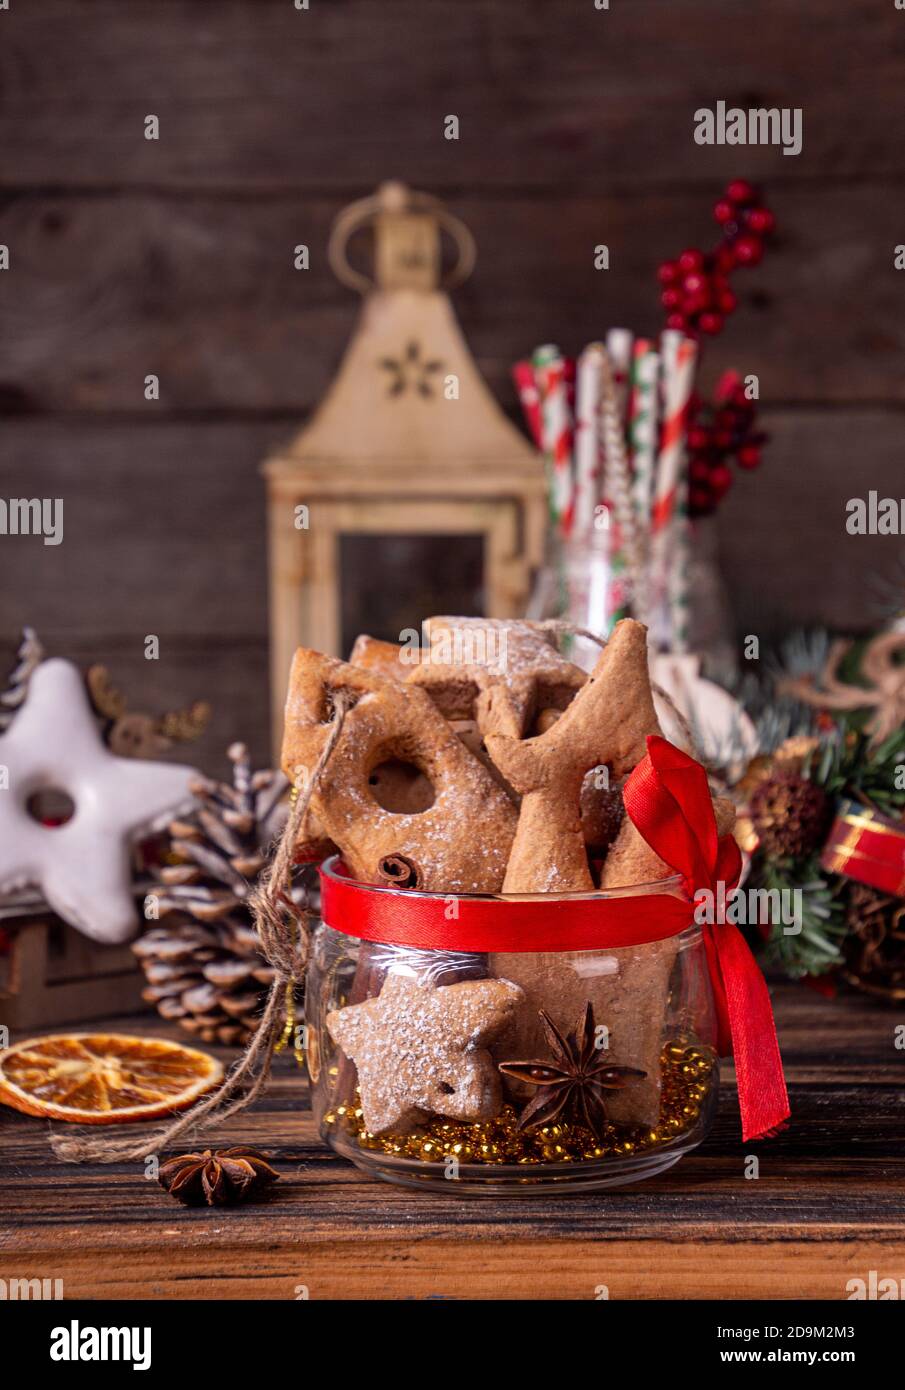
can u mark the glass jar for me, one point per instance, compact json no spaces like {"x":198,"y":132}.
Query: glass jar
{"x":651,"y":1047}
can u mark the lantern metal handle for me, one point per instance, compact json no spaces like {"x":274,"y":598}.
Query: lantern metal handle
{"x":396,"y":197}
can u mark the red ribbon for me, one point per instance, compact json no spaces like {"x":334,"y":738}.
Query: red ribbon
{"x":432,"y":922}
{"x":668,"y":799}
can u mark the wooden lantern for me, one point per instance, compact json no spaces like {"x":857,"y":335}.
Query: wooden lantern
{"x":409,"y":492}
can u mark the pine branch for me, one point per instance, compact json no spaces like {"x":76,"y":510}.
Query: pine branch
{"x":817,"y":948}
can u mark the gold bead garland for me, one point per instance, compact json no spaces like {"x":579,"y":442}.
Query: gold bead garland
{"x":686,"y":1068}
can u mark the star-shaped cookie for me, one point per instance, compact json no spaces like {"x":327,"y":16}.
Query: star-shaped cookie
{"x":419,"y":1049}
{"x":83,"y":867}
{"x":388,"y":659}
{"x":498,"y":671}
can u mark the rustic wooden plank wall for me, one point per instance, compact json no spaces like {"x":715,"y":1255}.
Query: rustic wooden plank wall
{"x":174,"y":257}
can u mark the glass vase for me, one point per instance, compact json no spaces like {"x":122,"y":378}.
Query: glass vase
{"x":579,"y":584}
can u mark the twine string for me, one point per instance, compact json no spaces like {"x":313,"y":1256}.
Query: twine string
{"x":283,"y":931}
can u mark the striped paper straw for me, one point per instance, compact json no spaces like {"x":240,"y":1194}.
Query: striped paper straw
{"x":668,"y":519}
{"x":587,"y":437}
{"x":529,"y":399}
{"x":556,"y":432}
{"x":680,"y":560}
{"x":642,"y":428}
{"x":569,"y":372}
{"x":619,"y":350}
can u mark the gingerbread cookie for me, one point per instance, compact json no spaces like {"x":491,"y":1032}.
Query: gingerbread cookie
{"x":627,"y":988}
{"x":392,"y":723}
{"x":499,"y":672}
{"x":606,"y":724}
{"x":631,"y":860}
{"x":419,"y":1049}
{"x":388,"y":659}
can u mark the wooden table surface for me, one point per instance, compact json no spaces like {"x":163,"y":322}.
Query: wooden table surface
{"x":827,"y":1207}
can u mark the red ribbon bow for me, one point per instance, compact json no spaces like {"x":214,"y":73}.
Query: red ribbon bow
{"x":668,"y":801}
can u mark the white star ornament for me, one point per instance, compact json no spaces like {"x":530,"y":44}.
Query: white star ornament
{"x":84,"y":866}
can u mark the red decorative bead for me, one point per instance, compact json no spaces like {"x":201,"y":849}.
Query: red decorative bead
{"x":740,"y":192}
{"x":698,"y":439}
{"x":671,"y":299}
{"x":725,"y":257}
{"x":699,"y":471}
{"x":724,"y":211}
{"x":748,"y":456}
{"x":727,"y":302}
{"x":727,"y":385}
{"x":720,"y":479}
{"x":694,"y":282}
{"x":710,"y":322}
{"x":760,"y":220}
{"x":748,"y":249}
{"x":667,"y":272}
{"x":676,"y":321}
{"x":691,"y":260}
{"x":694,"y":303}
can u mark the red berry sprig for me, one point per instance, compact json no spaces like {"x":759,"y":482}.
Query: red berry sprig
{"x":696,"y":293}
{"x":717,"y":434}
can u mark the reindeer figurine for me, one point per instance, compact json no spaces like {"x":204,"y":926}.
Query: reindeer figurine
{"x":884,"y":693}
{"x":129,"y":734}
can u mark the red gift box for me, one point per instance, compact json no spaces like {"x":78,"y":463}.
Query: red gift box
{"x":863,"y":845}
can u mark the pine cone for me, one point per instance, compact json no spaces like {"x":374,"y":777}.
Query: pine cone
{"x":204,"y":968}
{"x":790,"y":815}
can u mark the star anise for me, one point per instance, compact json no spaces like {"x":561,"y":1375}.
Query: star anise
{"x":219,"y":1178}
{"x":574,"y":1081}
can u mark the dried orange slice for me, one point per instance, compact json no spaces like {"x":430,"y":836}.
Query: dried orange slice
{"x":103,"y":1078}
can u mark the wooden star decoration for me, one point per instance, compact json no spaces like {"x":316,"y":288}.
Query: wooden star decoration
{"x":419,"y":1049}
{"x":500,"y":673}
{"x":411,"y":369}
